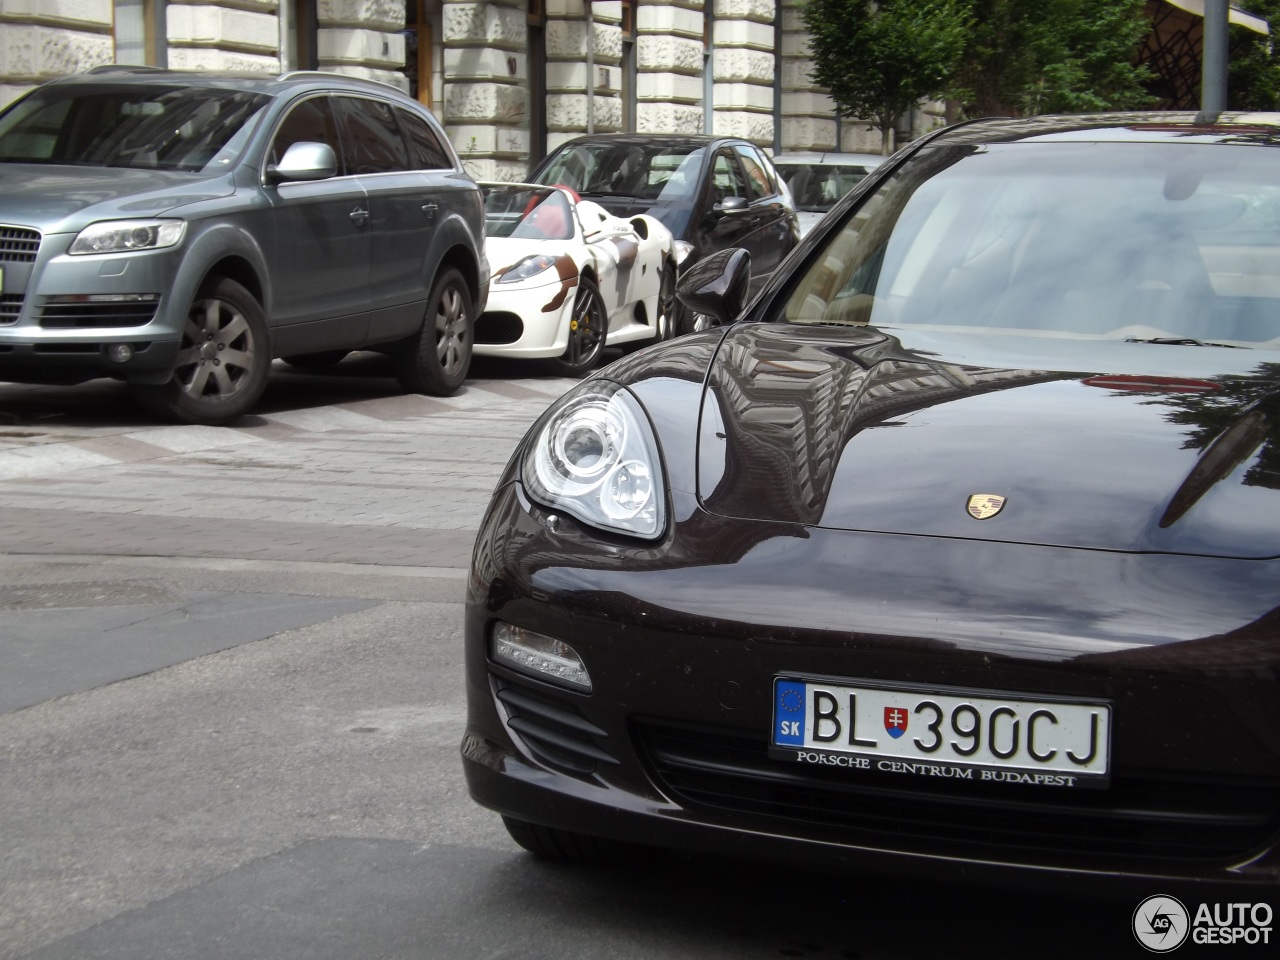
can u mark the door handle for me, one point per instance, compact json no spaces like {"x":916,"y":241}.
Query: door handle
{"x":430,"y":209}
{"x":359,"y":215}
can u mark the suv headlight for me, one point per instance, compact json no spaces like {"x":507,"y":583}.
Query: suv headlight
{"x":596,"y":459}
{"x":120,"y":236}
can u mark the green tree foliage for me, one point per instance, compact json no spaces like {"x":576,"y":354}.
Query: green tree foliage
{"x":880,"y":59}
{"x":995,"y":57}
{"x":1253,"y":70}
{"x":1027,"y":57}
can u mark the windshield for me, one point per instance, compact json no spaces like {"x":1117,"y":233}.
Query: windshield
{"x":1174,"y":242}
{"x":817,"y":186}
{"x":143,"y":126}
{"x":527,"y":213}
{"x":664,"y":173}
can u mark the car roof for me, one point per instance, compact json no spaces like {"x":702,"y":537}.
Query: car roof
{"x":266,"y":83}
{"x":860,"y":159}
{"x":1143,"y":127}
{"x":669,"y":139}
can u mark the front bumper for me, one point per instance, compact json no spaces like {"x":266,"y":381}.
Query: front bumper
{"x":683,"y":639}
{"x":62,"y":312}
{"x":526,"y":323}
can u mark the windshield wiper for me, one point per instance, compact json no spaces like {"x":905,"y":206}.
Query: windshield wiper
{"x":1179,"y":342}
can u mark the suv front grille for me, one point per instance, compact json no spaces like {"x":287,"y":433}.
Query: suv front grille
{"x":113,"y":313}
{"x":1133,"y":819}
{"x":19,"y":244}
{"x":10,"y":307}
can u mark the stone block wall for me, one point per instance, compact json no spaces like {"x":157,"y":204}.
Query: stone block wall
{"x":754,"y":58}
{"x":670,"y":55}
{"x":486,"y":86}
{"x":43,"y":39}
{"x":242,"y":35}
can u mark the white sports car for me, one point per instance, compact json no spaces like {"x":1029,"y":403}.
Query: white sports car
{"x":569,"y":277}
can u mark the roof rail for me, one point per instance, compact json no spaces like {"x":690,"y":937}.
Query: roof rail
{"x":125,"y":68}
{"x":327,"y":75}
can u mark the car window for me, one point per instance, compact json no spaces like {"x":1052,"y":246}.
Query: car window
{"x":147,"y":127}
{"x":310,"y":121}
{"x":817,"y":186}
{"x":526,"y":213}
{"x":372,"y":136}
{"x":757,"y":180}
{"x":726,"y":178}
{"x":426,"y":152}
{"x":1183,"y":241}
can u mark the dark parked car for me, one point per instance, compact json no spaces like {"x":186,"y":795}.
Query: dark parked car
{"x":956,"y":553}
{"x":712,"y":193}
{"x":177,"y":231}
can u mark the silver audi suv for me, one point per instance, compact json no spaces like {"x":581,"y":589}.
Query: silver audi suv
{"x":178,"y":231}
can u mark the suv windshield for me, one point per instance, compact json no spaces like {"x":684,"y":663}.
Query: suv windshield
{"x":1172,"y":242}
{"x":661,"y":172}
{"x":141,"y":126}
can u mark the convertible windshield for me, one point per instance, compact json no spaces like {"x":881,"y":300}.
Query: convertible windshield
{"x":660,"y":172}
{"x":1167,"y":242}
{"x":527,"y":213}
{"x":160,"y":127}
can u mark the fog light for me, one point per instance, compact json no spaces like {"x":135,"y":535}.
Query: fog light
{"x":539,"y":656}
{"x":119,"y":353}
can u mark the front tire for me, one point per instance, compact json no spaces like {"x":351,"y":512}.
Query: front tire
{"x":223,"y":360}
{"x":668,"y":306}
{"x":588,"y":331}
{"x":435,"y":360}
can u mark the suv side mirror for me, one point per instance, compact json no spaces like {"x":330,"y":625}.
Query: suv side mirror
{"x":730,"y":205}
{"x":717,"y":284}
{"x":304,"y":160}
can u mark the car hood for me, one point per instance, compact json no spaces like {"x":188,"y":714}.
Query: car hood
{"x":64,"y":199}
{"x":1094,"y":444}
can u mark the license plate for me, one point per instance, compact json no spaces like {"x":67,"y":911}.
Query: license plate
{"x":942,"y":732}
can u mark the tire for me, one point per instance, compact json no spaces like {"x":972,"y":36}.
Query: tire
{"x":668,"y":312}
{"x":316,"y":361}
{"x":690,"y":322}
{"x":435,"y":360}
{"x":550,"y":843}
{"x":588,"y":331}
{"x":223,"y":361}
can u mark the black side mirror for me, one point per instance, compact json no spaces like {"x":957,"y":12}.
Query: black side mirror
{"x":717,"y":284}
{"x":304,"y":160}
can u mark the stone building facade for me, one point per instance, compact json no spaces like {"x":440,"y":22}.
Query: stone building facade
{"x":510,"y":79}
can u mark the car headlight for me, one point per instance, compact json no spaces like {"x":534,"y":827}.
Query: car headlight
{"x":596,"y":459}
{"x":528,"y":267}
{"x":682,"y":248}
{"x":118,"y":236}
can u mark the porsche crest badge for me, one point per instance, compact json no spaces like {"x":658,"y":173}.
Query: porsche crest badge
{"x":984,"y":506}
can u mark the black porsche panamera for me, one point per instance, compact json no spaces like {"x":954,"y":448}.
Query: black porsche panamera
{"x":956,"y":549}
